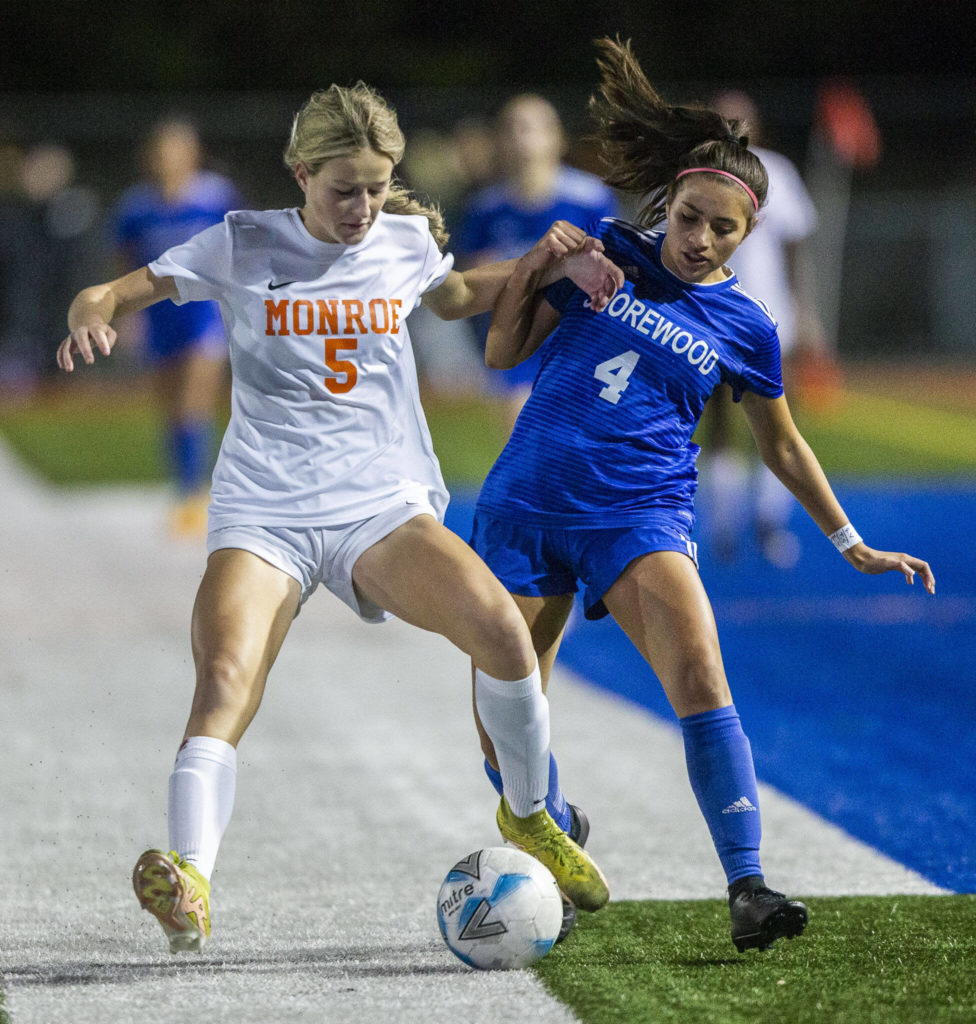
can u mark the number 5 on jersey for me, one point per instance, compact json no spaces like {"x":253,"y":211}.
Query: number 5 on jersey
{"x":615,"y":374}
{"x":345,"y":379}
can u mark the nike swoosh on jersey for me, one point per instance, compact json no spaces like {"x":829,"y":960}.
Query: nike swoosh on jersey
{"x":280,"y":284}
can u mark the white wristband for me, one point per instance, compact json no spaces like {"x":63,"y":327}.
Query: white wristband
{"x":844,"y":538}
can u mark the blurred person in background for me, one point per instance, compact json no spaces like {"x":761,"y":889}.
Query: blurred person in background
{"x":737,"y":489}
{"x":533,"y":188}
{"x":19,"y":260}
{"x":474,"y":147}
{"x":70,"y":244}
{"x":186,"y":346}
{"x":443,"y":167}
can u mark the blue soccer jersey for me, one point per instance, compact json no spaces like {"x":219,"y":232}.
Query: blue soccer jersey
{"x":147,"y":224}
{"x":503,"y":225}
{"x":500,"y":225}
{"x":605,"y":438}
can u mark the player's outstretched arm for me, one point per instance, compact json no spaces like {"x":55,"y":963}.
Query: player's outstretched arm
{"x":788,"y":455}
{"x":522,"y":319}
{"x":564,"y":251}
{"x":567,"y":251}
{"x":93,"y":309}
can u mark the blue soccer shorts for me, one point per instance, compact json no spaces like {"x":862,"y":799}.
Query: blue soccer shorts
{"x":535,"y":561}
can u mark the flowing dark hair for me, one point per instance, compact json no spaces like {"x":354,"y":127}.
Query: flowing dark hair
{"x":646,"y":142}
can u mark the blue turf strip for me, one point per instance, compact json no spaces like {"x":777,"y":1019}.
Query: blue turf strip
{"x":858,"y":693}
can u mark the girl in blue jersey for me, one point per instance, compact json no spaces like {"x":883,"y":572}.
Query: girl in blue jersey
{"x":185,"y":345}
{"x":534,"y":188}
{"x":597,"y":482}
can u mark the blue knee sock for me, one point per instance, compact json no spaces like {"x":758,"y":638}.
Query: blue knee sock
{"x":555,"y":801}
{"x":723,"y":778}
{"x":494,"y":777}
{"x":190,"y":451}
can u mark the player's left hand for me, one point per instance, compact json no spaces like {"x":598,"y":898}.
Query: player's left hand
{"x":873,"y":562}
{"x":581,"y":258}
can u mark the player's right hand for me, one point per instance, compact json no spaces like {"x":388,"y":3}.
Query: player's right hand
{"x":84,"y":340}
{"x":596,"y":274}
{"x":872,"y":562}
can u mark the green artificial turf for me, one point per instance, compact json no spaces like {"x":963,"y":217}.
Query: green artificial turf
{"x":879,"y":436}
{"x":88,"y":443}
{"x":117,"y":437}
{"x":862,"y":960}
{"x":106,"y":437}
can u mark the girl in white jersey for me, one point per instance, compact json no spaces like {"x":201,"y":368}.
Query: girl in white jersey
{"x":326,"y":473}
{"x":596,"y":483}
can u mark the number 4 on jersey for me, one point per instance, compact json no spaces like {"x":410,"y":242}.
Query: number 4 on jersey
{"x":615,"y":373}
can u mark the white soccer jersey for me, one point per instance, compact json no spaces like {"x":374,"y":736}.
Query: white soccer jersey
{"x":760,"y":263}
{"x":326,"y":423}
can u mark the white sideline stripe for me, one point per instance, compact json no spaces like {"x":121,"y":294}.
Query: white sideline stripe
{"x":363,"y":759}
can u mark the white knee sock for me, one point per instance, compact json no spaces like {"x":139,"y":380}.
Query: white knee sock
{"x":201,"y":798}
{"x":725,"y":492}
{"x":774,"y":502}
{"x":515,"y":715}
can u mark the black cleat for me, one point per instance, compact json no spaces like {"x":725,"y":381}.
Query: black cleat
{"x":760,"y":915}
{"x":569,"y":919}
{"x":579,"y":832}
{"x":579,"y":826}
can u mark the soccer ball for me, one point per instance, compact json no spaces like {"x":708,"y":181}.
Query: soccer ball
{"x":499,"y":908}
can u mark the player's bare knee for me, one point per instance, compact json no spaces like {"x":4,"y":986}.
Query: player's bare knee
{"x":503,"y":644}
{"x":700,"y":685}
{"x":223,"y":684}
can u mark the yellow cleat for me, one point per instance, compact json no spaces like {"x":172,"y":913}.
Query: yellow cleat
{"x":177,"y":895}
{"x":576,"y":873}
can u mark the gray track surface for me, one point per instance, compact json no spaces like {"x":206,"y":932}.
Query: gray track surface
{"x":360,"y":785}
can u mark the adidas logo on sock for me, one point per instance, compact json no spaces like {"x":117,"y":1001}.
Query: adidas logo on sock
{"x":742,"y":804}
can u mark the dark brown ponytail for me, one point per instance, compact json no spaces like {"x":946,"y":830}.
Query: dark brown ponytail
{"x":646,"y":142}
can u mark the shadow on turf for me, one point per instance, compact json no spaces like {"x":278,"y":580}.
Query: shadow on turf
{"x":367,"y":962}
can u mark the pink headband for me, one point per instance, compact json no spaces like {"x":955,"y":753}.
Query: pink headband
{"x":725,"y":174}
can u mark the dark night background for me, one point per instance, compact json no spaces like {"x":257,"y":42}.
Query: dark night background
{"x":85,"y":71}
{"x":293,"y":44}
{"x":94,"y":75}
